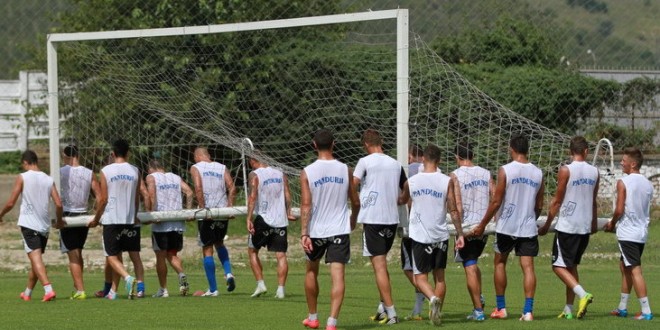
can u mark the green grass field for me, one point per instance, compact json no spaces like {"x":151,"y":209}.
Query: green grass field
{"x":600,"y":275}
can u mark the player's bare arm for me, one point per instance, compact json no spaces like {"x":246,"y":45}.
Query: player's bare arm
{"x":101,"y":202}
{"x":151,"y":191}
{"x":15,"y":192}
{"x":455,"y":211}
{"x":305,"y":212}
{"x":253,"y":187}
{"x":287,"y":198}
{"x":618,"y":208}
{"x":404,"y":195}
{"x":141,"y":192}
{"x":594,"y":205}
{"x":231,"y":188}
{"x":539,"y":200}
{"x":495,"y":203}
{"x":199,"y":190}
{"x":355,"y":200}
{"x":555,"y":205}
{"x":59,"y":211}
{"x":188,"y":193}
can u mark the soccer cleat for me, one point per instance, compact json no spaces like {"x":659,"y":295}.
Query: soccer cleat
{"x":499,"y":313}
{"x":78,"y":295}
{"x":619,"y":312}
{"x":564,"y":315}
{"x":111,"y":296}
{"x":413,"y":317}
{"x":209,"y":293}
{"x":312,"y":324}
{"x":100,"y":294}
{"x":140,"y":294}
{"x":584,"y":302}
{"x":50,"y":296}
{"x":231,"y":284}
{"x":259,"y":291}
{"x":161,"y":293}
{"x":435,"y":306}
{"x":279,"y":295}
{"x":476,"y":316}
{"x":527,"y":317}
{"x":388,"y":321}
{"x":25,"y":297}
{"x":642,"y":316}
{"x":140,"y":290}
{"x":378,"y":317}
{"x":184,"y":287}
{"x":330,"y":327}
{"x":131,"y":286}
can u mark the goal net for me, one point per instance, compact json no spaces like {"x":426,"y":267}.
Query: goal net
{"x":169,"y":93}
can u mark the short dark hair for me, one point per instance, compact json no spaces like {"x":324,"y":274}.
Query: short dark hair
{"x":578,"y":144}
{"x":120,"y":148}
{"x":323,"y":139}
{"x":636,"y":156}
{"x":372,"y":137}
{"x":156,"y":164}
{"x":519,"y":143}
{"x":432,"y":153}
{"x":464,"y":150}
{"x":71,"y":151}
{"x":29,"y":157}
{"x":415,"y":150}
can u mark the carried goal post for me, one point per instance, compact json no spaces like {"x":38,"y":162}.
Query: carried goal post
{"x":169,"y":90}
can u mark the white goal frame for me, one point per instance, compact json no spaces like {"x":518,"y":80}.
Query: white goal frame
{"x":402,"y":69}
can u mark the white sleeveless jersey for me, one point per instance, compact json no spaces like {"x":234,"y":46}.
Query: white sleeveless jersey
{"x":379,"y":176}
{"x":213,"y":183}
{"x":328,"y":183}
{"x":516,"y":216}
{"x":270,"y":198}
{"x":576,"y":210}
{"x":122,"y":182}
{"x":168,"y":198}
{"x":76,"y":182}
{"x":634,"y":224}
{"x":428,"y":215}
{"x":475,"y":192}
{"x":35,"y":197}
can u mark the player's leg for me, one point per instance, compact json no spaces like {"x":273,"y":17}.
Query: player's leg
{"x":257,"y":271}
{"x":39,"y":271}
{"x":529,"y":283}
{"x":29,"y":287}
{"x":378,"y":242}
{"x":72,"y":241}
{"x":223,"y":253}
{"x":209,"y":269}
{"x":282,"y":273}
{"x":312,"y":292}
{"x":161,"y":271}
{"x":406,"y":266}
{"x":336,"y":292}
{"x":503,"y":246}
{"x":76,"y":269}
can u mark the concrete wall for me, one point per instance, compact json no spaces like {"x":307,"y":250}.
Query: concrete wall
{"x":18,"y":98}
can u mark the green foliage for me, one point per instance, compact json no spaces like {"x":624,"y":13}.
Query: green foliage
{"x":592,"y":6}
{"x":10,"y":162}
{"x":623,"y":137}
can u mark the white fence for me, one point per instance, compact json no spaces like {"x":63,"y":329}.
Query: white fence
{"x":21,"y":102}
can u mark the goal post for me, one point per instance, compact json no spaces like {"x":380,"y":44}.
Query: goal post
{"x":402,"y":26}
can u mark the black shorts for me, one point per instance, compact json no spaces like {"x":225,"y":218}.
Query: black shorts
{"x":378,"y":239}
{"x":524,"y":246}
{"x":567,"y":249}
{"x":406,"y":253}
{"x":275,"y":239}
{"x":120,"y":238}
{"x":73,"y":238}
{"x":472,"y":250}
{"x":335,"y":248}
{"x":34,"y":240}
{"x":429,"y":257}
{"x":211,"y":232}
{"x":631,"y":253}
{"x":167,"y":241}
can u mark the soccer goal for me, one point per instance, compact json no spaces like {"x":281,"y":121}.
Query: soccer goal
{"x":274,"y":82}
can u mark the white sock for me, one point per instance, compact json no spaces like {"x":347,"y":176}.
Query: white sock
{"x":112,"y":293}
{"x":623,"y":303}
{"x":381,"y":308}
{"x":27,"y":292}
{"x":579,"y":291}
{"x":48,"y":288}
{"x":568,"y":309}
{"x":181,"y":275}
{"x":128,"y":277}
{"x":313,"y":317}
{"x":280,"y":288}
{"x":332,"y":321}
{"x":229,"y":275}
{"x":80,"y":292}
{"x":644,"y":303}
{"x":419,"y":303}
{"x":261,"y":284}
{"x":391,"y":312}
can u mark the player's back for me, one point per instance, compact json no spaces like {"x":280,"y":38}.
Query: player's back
{"x":270,"y":199}
{"x":122,"y":181}
{"x":429,"y":212}
{"x":328,"y":184}
{"x":35,"y":199}
{"x":633,"y":225}
{"x":75,"y":182}
{"x":474,"y":182}
{"x":380,"y":179}
{"x":213,"y":183}
{"x":517,"y":215}
{"x":576,"y":210}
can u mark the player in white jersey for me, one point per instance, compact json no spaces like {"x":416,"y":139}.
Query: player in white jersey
{"x":116,"y":209}
{"x":77,"y":182}
{"x":519,"y":190}
{"x":476,"y":186}
{"x":325,"y":186}
{"x":165,"y":194}
{"x":574,"y":206}
{"x":380,"y":178}
{"x":631,"y":217}
{"x":36,"y":189}
{"x":415,"y":154}
{"x":433,"y":194}
{"x":214,"y":188}
{"x":270,"y":199}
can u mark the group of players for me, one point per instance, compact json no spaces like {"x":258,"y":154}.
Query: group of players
{"x":376,"y":190}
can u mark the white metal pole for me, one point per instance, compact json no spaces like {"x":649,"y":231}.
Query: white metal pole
{"x":53,"y":113}
{"x":402,"y":87}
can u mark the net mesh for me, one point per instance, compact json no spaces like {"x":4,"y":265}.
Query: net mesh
{"x":167,"y":95}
